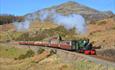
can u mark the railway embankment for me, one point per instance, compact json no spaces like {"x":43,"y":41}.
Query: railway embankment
{"x":70,"y":56}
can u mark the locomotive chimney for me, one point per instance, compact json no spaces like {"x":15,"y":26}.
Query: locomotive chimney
{"x":59,"y":37}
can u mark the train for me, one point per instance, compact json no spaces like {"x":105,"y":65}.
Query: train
{"x":81,"y":45}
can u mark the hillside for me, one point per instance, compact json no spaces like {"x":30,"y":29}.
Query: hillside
{"x":100,"y":31}
{"x":73,"y":7}
{"x":62,"y":60}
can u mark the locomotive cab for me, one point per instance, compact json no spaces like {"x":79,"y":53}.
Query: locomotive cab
{"x":75,"y":46}
{"x":83,"y":46}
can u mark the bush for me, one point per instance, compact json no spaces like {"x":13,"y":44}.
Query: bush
{"x":52,"y":51}
{"x":21,"y":57}
{"x":28,"y":37}
{"x":40,"y":50}
{"x":113,"y":27}
{"x":92,"y":22}
{"x":7,"y":18}
{"x":29,"y":53}
{"x":101,"y":22}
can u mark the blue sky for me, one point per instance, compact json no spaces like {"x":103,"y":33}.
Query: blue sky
{"x":22,"y":7}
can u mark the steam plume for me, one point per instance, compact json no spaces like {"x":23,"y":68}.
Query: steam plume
{"x":69,"y":21}
{"x":22,"y":26}
{"x":43,"y":15}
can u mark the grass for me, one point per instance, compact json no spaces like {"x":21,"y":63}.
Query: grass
{"x":102,"y":22}
{"x":10,"y":52}
{"x":83,"y":65}
{"x":50,"y":63}
{"x":28,"y":54}
{"x":9,"y":35}
{"x":37,"y":35}
{"x":16,"y":65}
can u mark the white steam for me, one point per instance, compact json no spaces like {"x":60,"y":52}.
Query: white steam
{"x":69,"y":21}
{"x":22,"y":26}
{"x":43,"y":15}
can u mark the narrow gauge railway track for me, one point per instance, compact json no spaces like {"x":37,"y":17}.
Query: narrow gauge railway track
{"x":104,"y":58}
{"x":94,"y":58}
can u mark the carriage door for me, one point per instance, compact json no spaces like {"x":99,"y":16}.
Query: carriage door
{"x":73,"y":45}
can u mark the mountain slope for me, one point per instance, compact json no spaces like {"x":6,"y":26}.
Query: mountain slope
{"x":73,"y":7}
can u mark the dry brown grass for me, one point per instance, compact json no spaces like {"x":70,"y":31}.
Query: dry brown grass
{"x":103,"y":34}
{"x":36,"y":25}
{"x":51,"y":63}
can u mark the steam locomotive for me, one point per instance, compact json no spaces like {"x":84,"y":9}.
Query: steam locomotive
{"x":82,"y":45}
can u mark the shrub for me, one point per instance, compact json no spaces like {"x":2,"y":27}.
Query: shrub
{"x":40,"y":50}
{"x":21,"y":57}
{"x":52,"y":51}
{"x":92,"y":22}
{"x":113,"y":27}
{"x":101,"y":22}
{"x":8,"y":18}
{"x":29,"y":53}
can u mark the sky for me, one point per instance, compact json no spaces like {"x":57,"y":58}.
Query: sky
{"x":22,"y":7}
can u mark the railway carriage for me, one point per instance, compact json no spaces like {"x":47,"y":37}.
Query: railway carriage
{"x":82,"y":46}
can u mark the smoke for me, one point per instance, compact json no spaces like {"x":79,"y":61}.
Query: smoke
{"x":31,"y":17}
{"x":69,"y":21}
{"x":22,"y":26}
{"x":43,"y":15}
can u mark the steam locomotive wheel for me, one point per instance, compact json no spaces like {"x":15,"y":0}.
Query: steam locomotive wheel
{"x":93,"y":52}
{"x":87,"y":52}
